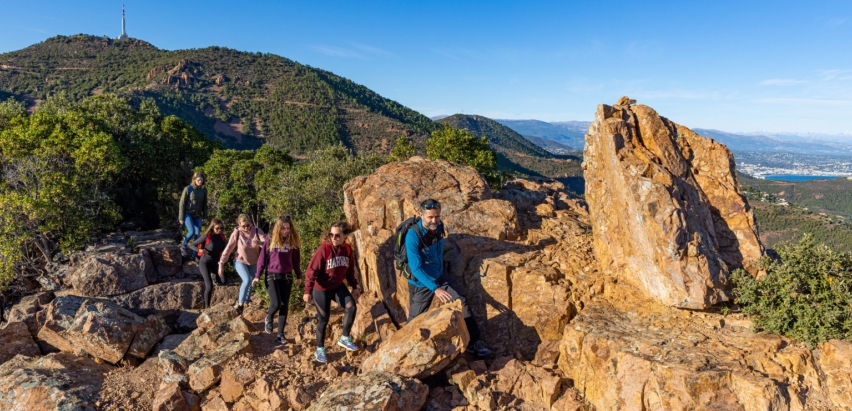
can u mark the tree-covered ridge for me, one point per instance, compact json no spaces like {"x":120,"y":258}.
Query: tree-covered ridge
{"x":830,"y":196}
{"x":242,"y":99}
{"x":516,"y":154}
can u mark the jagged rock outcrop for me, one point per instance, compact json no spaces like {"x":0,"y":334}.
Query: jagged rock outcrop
{"x":665,"y":206}
{"x":100,"y":328}
{"x":655,"y":357}
{"x":424,"y":346}
{"x":373,"y":391}
{"x":522,"y":260}
{"x":60,"y":381}
{"x":107,"y":274}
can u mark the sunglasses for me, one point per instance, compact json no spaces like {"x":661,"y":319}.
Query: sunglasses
{"x":332,"y":235}
{"x":431,"y":206}
{"x":245,"y":225}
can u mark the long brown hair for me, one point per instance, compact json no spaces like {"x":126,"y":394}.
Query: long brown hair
{"x":196,"y":175}
{"x":277,"y":239}
{"x":344,"y":230}
{"x":213,"y":223}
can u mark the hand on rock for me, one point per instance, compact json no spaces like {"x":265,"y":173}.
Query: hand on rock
{"x":443,"y":295}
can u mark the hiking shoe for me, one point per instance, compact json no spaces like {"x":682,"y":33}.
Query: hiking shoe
{"x":479,"y":349}
{"x":239,"y":309}
{"x":319,"y":354}
{"x":183,"y":252}
{"x":267,"y":325}
{"x":346,"y":342}
{"x":280,"y":340}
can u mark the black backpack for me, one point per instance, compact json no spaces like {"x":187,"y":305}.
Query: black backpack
{"x":400,"y":254}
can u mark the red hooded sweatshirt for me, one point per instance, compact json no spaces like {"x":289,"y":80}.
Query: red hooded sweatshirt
{"x":328,"y":268}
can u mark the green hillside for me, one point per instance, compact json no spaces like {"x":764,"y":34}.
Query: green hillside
{"x":515,"y":153}
{"x":831,"y":196}
{"x":242,"y":99}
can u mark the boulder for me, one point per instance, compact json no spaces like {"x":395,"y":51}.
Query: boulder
{"x":59,"y":381}
{"x":664,"y":358}
{"x":372,"y":322}
{"x":264,"y":396}
{"x":26,"y":310}
{"x":171,"y":398}
{"x":376,"y":204}
{"x":16,"y":339}
{"x":166,"y":297}
{"x":373,"y":391}
{"x":108,"y":274}
{"x":207,"y":371}
{"x":424,"y":346}
{"x":491,"y":218}
{"x":165,"y":255}
{"x":667,"y":213}
{"x":100,"y":328}
{"x":235,"y":383}
{"x":173,"y":367}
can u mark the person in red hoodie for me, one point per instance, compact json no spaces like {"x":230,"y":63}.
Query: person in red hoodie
{"x":280,"y":258}
{"x":331,"y":264}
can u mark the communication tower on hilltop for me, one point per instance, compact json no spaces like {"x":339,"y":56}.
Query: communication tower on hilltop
{"x":123,"y":35}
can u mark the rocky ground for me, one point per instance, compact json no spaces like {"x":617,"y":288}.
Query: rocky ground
{"x":606,"y":303}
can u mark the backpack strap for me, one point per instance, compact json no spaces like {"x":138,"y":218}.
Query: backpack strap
{"x":189,"y":189}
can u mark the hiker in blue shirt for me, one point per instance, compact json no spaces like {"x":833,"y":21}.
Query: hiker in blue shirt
{"x":426,"y":262}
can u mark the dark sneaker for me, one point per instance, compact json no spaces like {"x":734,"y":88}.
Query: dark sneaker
{"x":267,"y":325}
{"x":239,"y":309}
{"x":479,"y":349}
{"x":183,"y":252}
{"x":346,"y":342}
{"x":280,"y":340}
{"x":319,"y":354}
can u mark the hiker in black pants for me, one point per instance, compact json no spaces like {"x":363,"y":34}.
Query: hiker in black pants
{"x":280,"y":257}
{"x":208,"y":247}
{"x":425,"y":250}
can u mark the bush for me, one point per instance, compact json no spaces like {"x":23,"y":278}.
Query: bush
{"x":73,"y":170}
{"x":806,"y":295}
{"x":403,"y":150}
{"x":462,"y":147}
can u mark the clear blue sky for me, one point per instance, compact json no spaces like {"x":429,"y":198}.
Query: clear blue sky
{"x":730,"y":65}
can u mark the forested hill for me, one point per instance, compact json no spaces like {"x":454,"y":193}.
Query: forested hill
{"x":515,"y":153}
{"x":242,"y":99}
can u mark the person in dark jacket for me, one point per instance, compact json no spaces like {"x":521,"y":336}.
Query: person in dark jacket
{"x":193,"y":208}
{"x":209,"y":247}
{"x":280,"y":258}
{"x":426,"y":261}
{"x":331,"y":264}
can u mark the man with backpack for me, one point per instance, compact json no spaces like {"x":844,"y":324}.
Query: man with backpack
{"x":419,"y":255}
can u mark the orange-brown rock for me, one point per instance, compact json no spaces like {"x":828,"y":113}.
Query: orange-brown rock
{"x":107,"y":274}
{"x":100,"y":328}
{"x":27,"y":310}
{"x":424,"y":346}
{"x":207,"y":371}
{"x":59,"y":381}
{"x":15,"y":339}
{"x":235,"y":382}
{"x":376,"y":204}
{"x":171,"y":398}
{"x":835,"y":361}
{"x":373,"y":391}
{"x":663,"y":358}
{"x":666,"y":210}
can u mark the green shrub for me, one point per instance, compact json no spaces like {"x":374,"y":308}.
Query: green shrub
{"x":806,"y":295}
{"x":403,"y":150}
{"x":462,"y":147}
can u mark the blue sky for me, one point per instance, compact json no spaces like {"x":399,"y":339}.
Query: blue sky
{"x":729,"y":65}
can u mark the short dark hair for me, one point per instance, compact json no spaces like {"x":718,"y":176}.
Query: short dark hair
{"x":430,"y":204}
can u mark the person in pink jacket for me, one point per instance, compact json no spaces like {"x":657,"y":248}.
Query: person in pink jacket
{"x":247,"y":240}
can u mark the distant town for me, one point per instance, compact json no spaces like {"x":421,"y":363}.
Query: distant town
{"x":760,"y":165}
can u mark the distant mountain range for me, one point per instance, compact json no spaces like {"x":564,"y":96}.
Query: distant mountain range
{"x":515,"y":153}
{"x":572,"y":134}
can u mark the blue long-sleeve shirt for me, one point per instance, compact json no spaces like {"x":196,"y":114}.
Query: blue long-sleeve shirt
{"x":426,"y":265}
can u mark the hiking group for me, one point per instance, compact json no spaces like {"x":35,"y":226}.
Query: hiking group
{"x":330,"y":274}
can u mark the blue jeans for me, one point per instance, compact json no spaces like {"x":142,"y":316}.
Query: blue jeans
{"x":246,"y":273}
{"x":193,"y":228}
